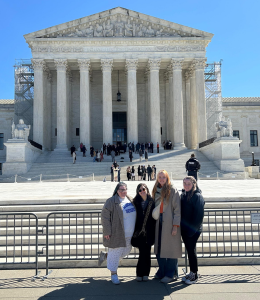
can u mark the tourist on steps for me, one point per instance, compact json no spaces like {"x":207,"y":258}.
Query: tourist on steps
{"x":74,"y":156}
{"x":192,"y":213}
{"x":144,"y":233}
{"x":167,"y":246}
{"x":117,"y":236}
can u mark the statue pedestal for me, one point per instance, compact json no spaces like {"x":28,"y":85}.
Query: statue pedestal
{"x":20,"y":155}
{"x":253,"y":171}
{"x":225,"y":154}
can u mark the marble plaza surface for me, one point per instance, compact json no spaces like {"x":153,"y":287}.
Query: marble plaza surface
{"x":220,"y":190}
{"x":216,"y":282}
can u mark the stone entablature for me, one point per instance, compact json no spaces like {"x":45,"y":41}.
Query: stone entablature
{"x":240,"y":99}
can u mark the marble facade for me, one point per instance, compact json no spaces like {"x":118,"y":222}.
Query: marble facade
{"x":161,"y":71}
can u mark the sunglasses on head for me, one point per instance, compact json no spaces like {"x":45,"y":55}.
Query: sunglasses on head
{"x":141,"y":190}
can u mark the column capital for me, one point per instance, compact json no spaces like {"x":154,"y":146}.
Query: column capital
{"x":169,"y":70}
{"x":38,"y":64}
{"x":187,"y":75}
{"x":154,"y":64}
{"x":61,"y":64}
{"x":200,"y":63}
{"x":84,"y":64}
{"x":69,"y":74}
{"x":107,"y":64}
{"x":176,"y":64}
{"x":131,"y":64}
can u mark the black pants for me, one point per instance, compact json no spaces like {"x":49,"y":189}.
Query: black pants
{"x":149,"y":176}
{"x":194,"y":174}
{"x":190,"y":244}
{"x":144,"y":261}
{"x":157,"y":150}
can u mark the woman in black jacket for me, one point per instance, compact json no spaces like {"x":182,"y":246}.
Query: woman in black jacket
{"x":144,"y":233}
{"x":192,"y":213}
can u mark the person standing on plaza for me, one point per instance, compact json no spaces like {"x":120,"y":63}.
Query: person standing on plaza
{"x":91,"y":149}
{"x":158,"y":147}
{"x":119,"y":173}
{"x":140,"y":154}
{"x":104,"y":148}
{"x":144,"y":233}
{"x":101,"y":156}
{"x":154,"y":172}
{"x":112,"y":172}
{"x":113,"y":155}
{"x":192,"y":213}
{"x":192,"y":166}
{"x":130,"y":155}
{"x":133,"y":173}
{"x":128,"y":173}
{"x":146,"y":155}
{"x":140,"y":172}
{"x":167,"y":247}
{"x":144,"y":172}
{"x":81,"y":146}
{"x":149,"y":172}
{"x":118,"y":220}
{"x":74,"y":157}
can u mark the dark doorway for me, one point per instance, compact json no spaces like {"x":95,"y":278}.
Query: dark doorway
{"x":119,"y":128}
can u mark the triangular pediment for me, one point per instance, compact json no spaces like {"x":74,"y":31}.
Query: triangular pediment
{"x":118,"y":22}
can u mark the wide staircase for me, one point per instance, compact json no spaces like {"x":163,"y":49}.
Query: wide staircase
{"x":53,"y":166}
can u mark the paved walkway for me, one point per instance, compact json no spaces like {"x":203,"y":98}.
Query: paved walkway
{"x":232,"y":283}
{"x":98,"y":189}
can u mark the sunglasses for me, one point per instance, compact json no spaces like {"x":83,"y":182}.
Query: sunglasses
{"x":141,"y":190}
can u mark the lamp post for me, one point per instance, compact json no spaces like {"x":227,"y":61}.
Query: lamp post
{"x":118,"y":93}
{"x":253,"y":159}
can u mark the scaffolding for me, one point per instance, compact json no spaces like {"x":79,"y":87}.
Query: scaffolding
{"x":213,"y":96}
{"x":24,"y":92}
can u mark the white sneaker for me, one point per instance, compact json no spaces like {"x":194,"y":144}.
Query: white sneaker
{"x":102,"y":258}
{"x":115,"y":279}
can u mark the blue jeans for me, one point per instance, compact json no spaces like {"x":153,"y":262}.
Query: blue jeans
{"x":167,"y":266}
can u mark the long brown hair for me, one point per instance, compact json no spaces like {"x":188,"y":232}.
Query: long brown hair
{"x":194,"y":185}
{"x":166,"y":188}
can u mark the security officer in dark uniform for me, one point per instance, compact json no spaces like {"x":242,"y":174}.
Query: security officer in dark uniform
{"x":192,"y":166}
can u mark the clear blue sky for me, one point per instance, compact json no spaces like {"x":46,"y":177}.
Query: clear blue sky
{"x":235,"y":25}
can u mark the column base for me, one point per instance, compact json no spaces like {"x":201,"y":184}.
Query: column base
{"x":179,"y":146}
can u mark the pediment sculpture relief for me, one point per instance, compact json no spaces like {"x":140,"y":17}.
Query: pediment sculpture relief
{"x":120,"y":26}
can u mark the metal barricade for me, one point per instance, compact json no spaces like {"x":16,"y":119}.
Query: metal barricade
{"x":229,"y":233}
{"x":19,"y":240}
{"x":73,"y":236}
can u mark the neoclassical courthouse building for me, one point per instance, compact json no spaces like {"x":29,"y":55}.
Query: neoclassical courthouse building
{"x":120,"y":75}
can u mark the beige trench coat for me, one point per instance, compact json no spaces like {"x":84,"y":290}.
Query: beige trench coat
{"x":171,"y":246}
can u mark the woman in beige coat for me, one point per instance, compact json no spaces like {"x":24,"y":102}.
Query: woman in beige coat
{"x":118,"y":221}
{"x":167,"y":247}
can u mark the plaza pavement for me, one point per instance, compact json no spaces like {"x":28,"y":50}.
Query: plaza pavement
{"x":216,"y":283}
{"x":213,"y":189}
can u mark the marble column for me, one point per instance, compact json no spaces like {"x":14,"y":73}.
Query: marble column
{"x":147,"y":104}
{"x":178,"y":104}
{"x":201,"y":101}
{"x":154,"y":67}
{"x":167,"y":103}
{"x":48,"y":109}
{"x":38,"y":102}
{"x":132,"y":117}
{"x":84,"y":66}
{"x":62,"y":129}
{"x":171,"y":106}
{"x":193,"y":109}
{"x":107,"y":66}
{"x":188,"y":106}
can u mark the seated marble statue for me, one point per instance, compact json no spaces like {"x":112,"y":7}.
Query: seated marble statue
{"x":224,"y":128}
{"x":21,"y":130}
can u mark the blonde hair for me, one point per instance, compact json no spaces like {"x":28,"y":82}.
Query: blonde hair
{"x":194,"y":185}
{"x":166,"y":188}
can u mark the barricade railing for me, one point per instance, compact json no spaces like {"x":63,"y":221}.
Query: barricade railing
{"x":19,"y":239}
{"x":75,"y":236}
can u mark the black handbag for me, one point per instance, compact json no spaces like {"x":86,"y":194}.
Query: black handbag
{"x":139,"y":235}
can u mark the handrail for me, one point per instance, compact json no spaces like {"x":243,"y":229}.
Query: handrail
{"x":36,"y":145}
{"x":207,"y":142}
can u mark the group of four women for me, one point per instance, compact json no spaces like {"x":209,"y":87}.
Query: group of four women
{"x":158,"y":219}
